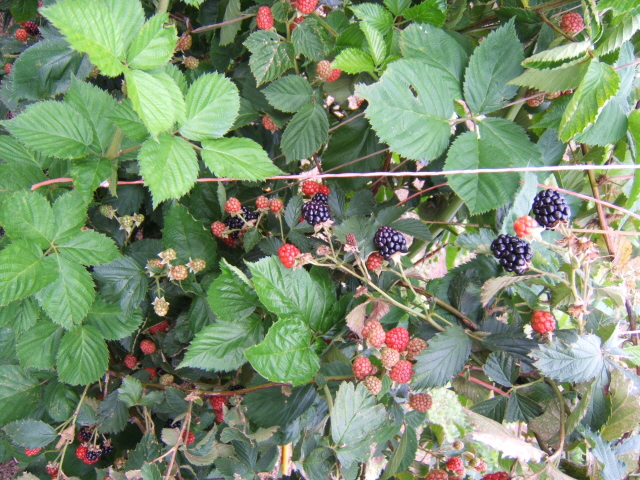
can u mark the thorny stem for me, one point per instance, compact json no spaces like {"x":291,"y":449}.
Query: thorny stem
{"x":544,"y":18}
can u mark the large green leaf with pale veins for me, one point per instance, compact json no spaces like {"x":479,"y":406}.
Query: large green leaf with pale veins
{"x":19,"y":393}
{"x":101,"y":28}
{"x":169,"y":167}
{"x":444,"y":357}
{"x":83,"y":356}
{"x":285,"y":355}
{"x":22,"y":272}
{"x":28,"y":215}
{"x":239,"y":158}
{"x":154,"y":44}
{"x":232,"y":296}
{"x":306,"y":132}
{"x":270,"y":56}
{"x":212,"y":106}
{"x":53,"y":128}
{"x":187,"y":236}
{"x":599,"y":85}
{"x":68,"y":299}
{"x":409,"y":108}
{"x":220,"y":347}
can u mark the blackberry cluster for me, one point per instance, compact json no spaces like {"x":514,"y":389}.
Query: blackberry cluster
{"x":514,"y":254}
{"x":249,"y":215}
{"x":389,"y":241}
{"x":315,"y":212}
{"x":550,"y":207}
{"x":234,"y":223}
{"x":320,"y":198}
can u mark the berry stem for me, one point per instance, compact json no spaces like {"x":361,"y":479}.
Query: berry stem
{"x":425,"y":308}
{"x":544,"y":18}
{"x":555,"y":458}
{"x":327,"y":394}
{"x":322,"y":22}
{"x":162,"y":7}
{"x":72,"y":427}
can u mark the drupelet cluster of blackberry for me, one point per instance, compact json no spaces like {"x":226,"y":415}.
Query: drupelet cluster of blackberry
{"x":317,"y":210}
{"x":236,"y":223}
{"x":389,"y":241}
{"x":550,"y":208}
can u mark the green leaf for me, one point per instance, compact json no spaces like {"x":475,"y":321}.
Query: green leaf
{"x":23,"y":10}
{"x":154,"y":44}
{"x":231,"y":296}
{"x":123,"y":280}
{"x":38,"y":346}
{"x":557,"y":56}
{"x":128,"y":121}
{"x":95,"y":105}
{"x":70,"y":212}
{"x":28,"y":216}
{"x":90,"y":248}
{"x":90,"y":27}
{"x":67,"y":300}
{"x":352,"y":60}
{"x":53,"y":128}
{"x":600,"y":83}
{"x":355,"y":417}
{"x":575,"y":362}
{"x":113,"y":415}
{"x":501,"y":368}
{"x":22,"y":272}
{"x":403,"y":455}
{"x":270,"y":56}
{"x":376,"y":43}
{"x":611,"y":467}
{"x":495,"y":62}
{"x":289,"y":94}
{"x":239,"y":158}
{"x":375,"y":15}
{"x":20,"y":315}
{"x":306,"y":132}
{"x":292,"y":293}
{"x":220,"y":347}
{"x":285,"y":355}
{"x":625,"y":407}
{"x":112,"y":322}
{"x":413,"y":227}
{"x":83,"y":356}
{"x":397,"y":6}
{"x":14,"y":179}
{"x":152,"y":99}
{"x":88,"y":173}
{"x":212,"y":106}
{"x":30,"y":433}
{"x":559,"y":79}
{"x":271,"y":407}
{"x":47,"y":68}
{"x":60,"y":400}
{"x":409,"y":108}
{"x":438,"y":49}
{"x":19,"y":393}
{"x":429,"y":11}
{"x":310,"y":39}
{"x":169,"y":167}
{"x":619,"y":32}
{"x":187,"y":236}
{"x":228,"y":32}
{"x":150,"y":471}
{"x":521,"y":408}
{"x":442,"y":359}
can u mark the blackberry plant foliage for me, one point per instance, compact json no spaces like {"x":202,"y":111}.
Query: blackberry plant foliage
{"x":301,"y":239}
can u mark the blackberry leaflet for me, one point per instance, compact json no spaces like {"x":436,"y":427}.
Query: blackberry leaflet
{"x":315,"y":212}
{"x":513,"y":253}
{"x":320,"y":198}
{"x":249,"y":215}
{"x":389,"y":241}
{"x":549,"y":208}
{"x":234,"y":223}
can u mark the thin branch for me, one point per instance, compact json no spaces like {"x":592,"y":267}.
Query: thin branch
{"x":206,"y":28}
{"x":350,"y":119}
{"x":484,"y":384}
{"x":421,"y":192}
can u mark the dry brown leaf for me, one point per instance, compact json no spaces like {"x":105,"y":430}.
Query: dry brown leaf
{"x":355,"y":318}
{"x":380,"y":309}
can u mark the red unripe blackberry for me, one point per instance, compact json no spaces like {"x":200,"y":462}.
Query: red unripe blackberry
{"x":389,"y":241}
{"x":543,"y":322}
{"x":370,"y":326}
{"x":397,"y":338}
{"x":52,"y":468}
{"x":219,"y":416}
{"x":130,"y":361}
{"x":315,"y":212}
{"x":323,"y":69}
{"x":31,"y":28}
{"x":218,"y":228}
{"x":536,"y":100}
{"x":389,"y":357}
{"x":152,"y":372}
{"x":550,"y":208}
{"x":373,"y":384}
{"x":376,"y":337}
{"x":362,"y":367}
{"x":178,"y":273}
{"x":163,"y":327}
{"x":147,"y":346}
{"x":296,"y":21}
{"x":374,"y":261}
{"x":310,"y":188}
{"x":8,"y":67}
{"x":335,"y":74}
{"x":22,"y":35}
{"x":513,"y":253}
{"x":189,"y":437}
{"x":264,"y":19}
{"x":306,"y":6}
{"x":217,"y":402}
{"x":481,"y":466}
{"x":402,"y":372}
{"x":496,"y":476}
{"x":267,"y":123}
{"x":414,"y":347}
{"x":288,"y":254}
{"x":184,"y":42}
{"x":276,"y":205}
{"x":420,"y":402}
{"x":572,"y":23}
{"x":323,"y":189}
{"x":262,"y":203}
{"x":32,"y":452}
{"x":437,"y":475}
{"x":232,"y":205}
{"x":455,"y":464}
{"x":81,"y":452}
{"x":230,"y":242}
{"x":525,"y":226}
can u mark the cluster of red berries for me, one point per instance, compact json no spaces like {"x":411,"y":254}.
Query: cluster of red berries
{"x":28,"y":29}
{"x":496,"y":476}
{"x":188,"y":437}
{"x":305,"y":6}
{"x":241,"y":218}
{"x":326,"y":72}
{"x":267,"y":123}
{"x":309,"y":188}
{"x":264,"y":18}
{"x":572,"y":23}
{"x":217,"y":403}
{"x":288,"y":254}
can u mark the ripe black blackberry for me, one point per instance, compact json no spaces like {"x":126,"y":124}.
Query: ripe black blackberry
{"x":171,"y":424}
{"x":1,"y":231}
{"x":93,"y":453}
{"x":550,"y":208}
{"x":248,"y":214}
{"x":234,"y":223}
{"x":389,"y":241}
{"x":84,"y":434}
{"x":514,"y":254}
{"x":106,"y":447}
{"x":315,"y":212}
{"x":31,"y":28}
{"x":237,"y":387}
{"x":320,"y":198}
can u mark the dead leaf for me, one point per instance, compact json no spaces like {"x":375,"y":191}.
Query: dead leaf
{"x":380,"y":309}
{"x":355,"y":318}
